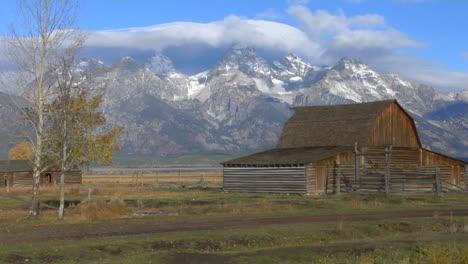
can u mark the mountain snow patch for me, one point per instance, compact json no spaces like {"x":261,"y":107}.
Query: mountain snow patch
{"x":197,"y":84}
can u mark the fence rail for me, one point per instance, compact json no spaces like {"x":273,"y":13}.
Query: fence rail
{"x":156,"y":177}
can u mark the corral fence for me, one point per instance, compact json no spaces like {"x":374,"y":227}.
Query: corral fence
{"x":373,"y":172}
{"x":141,"y":176}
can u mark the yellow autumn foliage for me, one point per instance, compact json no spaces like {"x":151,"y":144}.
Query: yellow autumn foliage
{"x":20,"y":152}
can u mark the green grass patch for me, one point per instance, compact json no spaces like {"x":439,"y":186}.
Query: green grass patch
{"x":422,"y":240}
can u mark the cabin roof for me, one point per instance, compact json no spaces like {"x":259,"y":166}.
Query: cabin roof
{"x":15,"y":166}
{"x":332,"y":125}
{"x":288,"y":156}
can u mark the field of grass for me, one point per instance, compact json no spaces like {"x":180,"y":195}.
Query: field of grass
{"x":193,"y":201}
{"x":433,"y":239}
{"x":425,"y":240}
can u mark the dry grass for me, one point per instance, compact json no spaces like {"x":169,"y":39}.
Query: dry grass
{"x":100,"y":210}
{"x":12,"y":214}
{"x":453,"y":256}
{"x":353,"y":204}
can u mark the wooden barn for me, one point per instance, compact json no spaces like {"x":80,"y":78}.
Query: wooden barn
{"x":16,"y":173}
{"x":369,"y":147}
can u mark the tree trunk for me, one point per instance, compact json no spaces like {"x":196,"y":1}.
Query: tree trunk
{"x":62,"y":195}
{"x":63,"y":168}
{"x":35,"y":203}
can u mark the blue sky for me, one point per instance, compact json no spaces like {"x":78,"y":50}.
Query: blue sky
{"x":392,"y":36}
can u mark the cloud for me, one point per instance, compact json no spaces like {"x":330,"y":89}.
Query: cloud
{"x":190,"y":38}
{"x":378,"y":44}
{"x":321,"y":38}
{"x":233,"y":29}
{"x":420,"y":71}
{"x":370,"y":20}
{"x":269,"y":14}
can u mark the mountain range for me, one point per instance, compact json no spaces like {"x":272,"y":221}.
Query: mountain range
{"x":242,"y":102}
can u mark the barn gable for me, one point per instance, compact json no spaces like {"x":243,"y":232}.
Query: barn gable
{"x":343,"y":125}
{"x":394,"y":127}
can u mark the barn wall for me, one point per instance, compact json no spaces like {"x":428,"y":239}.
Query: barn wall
{"x":3,"y":177}
{"x":317,"y":172}
{"x":26,"y":178}
{"x":265,"y":179}
{"x":394,"y":127}
{"x":404,"y":160}
{"x":71,"y":177}
{"x":22,"y":179}
{"x":311,"y":179}
{"x":347,"y":180}
{"x":432,"y":158}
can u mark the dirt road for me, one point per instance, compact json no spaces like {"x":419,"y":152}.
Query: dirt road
{"x":130,"y":228}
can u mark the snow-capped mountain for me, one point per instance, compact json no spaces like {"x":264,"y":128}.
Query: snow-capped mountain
{"x":160,"y":65}
{"x":241,"y":103}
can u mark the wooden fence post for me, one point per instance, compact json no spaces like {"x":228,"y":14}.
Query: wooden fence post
{"x":141,"y":179}
{"x":465,"y":177}
{"x":7,"y":185}
{"x":437,"y":179}
{"x":326,"y":180}
{"x":338,"y":181}
{"x":356,"y":165}
{"x":388,"y":156}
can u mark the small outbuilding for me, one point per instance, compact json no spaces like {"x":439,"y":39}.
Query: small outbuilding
{"x":16,"y":173}
{"x":372,"y":147}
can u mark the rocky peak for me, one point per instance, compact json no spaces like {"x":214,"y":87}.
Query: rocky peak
{"x":127,"y":65}
{"x":160,"y":65}
{"x":291,"y":65}
{"x":244,"y":59}
{"x":462,"y":96}
{"x":89,"y":65}
{"x":349,"y":63}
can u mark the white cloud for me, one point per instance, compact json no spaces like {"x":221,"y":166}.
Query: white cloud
{"x":370,"y":20}
{"x":323,"y":38}
{"x":421,"y":71}
{"x":269,"y":14}
{"x":233,"y":29}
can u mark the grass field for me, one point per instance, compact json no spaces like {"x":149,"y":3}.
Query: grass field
{"x":111,"y":207}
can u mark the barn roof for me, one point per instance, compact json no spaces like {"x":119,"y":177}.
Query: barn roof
{"x":288,"y":156}
{"x":15,"y":166}
{"x":336,"y":125}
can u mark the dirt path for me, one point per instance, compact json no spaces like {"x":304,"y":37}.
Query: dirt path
{"x":83,"y":231}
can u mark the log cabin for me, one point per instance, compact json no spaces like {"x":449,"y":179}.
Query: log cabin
{"x":19,"y":173}
{"x":366,"y":147}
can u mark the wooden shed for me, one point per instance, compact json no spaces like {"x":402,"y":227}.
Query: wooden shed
{"x":370,"y":147}
{"x":15,"y":173}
